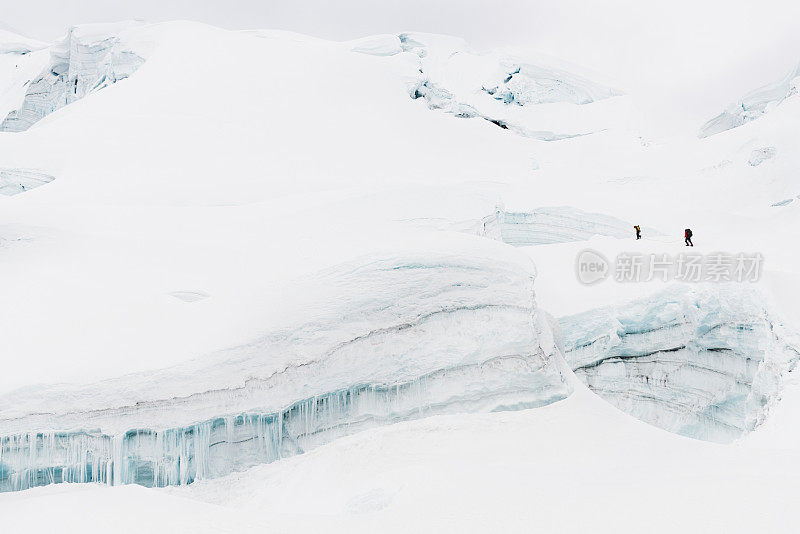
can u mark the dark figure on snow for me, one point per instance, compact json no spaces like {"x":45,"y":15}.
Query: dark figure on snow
{"x":638,"y":231}
{"x":687,"y":234}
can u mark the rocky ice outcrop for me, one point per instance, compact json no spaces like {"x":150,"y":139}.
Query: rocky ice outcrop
{"x":702,"y":362}
{"x":393,"y":339}
{"x":88,"y":59}
{"x":754,"y":104}
{"x":552,"y":225}
{"x":15,"y":181}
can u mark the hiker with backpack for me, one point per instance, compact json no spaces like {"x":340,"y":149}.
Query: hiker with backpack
{"x":687,"y":234}
{"x":638,"y":231}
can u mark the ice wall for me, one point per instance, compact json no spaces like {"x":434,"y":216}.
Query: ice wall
{"x":86,"y":60}
{"x":552,"y":225}
{"x":753,"y":105}
{"x":392,"y":339}
{"x":704,"y":362}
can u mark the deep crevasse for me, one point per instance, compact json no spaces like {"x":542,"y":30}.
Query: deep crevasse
{"x":396,"y":339}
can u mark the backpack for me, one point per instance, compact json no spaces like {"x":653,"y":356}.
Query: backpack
{"x":688,"y":233}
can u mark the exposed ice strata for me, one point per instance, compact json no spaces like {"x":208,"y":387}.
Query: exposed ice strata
{"x":83,"y":62}
{"x":754,"y":104}
{"x":15,"y":181}
{"x":394,"y":339}
{"x":701,"y":362}
{"x":552,"y":225}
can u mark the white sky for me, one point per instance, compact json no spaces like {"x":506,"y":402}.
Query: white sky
{"x":695,"y":56}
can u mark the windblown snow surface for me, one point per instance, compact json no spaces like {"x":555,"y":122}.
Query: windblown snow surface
{"x":258,"y":280}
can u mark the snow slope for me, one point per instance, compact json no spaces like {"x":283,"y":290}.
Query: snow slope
{"x":573,"y":466}
{"x":258,"y":228}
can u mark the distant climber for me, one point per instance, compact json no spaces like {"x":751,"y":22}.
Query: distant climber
{"x":638,"y":231}
{"x":687,"y":234}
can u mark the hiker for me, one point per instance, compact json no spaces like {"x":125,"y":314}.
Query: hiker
{"x":638,"y":231}
{"x":687,"y":234}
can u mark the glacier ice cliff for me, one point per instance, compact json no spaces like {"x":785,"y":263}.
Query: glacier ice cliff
{"x":83,"y":62}
{"x":753,"y":105}
{"x":704,"y":362}
{"x":393,"y":339}
{"x":552,"y":225}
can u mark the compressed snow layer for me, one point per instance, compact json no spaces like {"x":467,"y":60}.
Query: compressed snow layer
{"x":15,"y":181}
{"x":753,"y":105}
{"x":86,"y":60}
{"x":400,"y":338}
{"x":552,"y":225}
{"x":705,"y":363}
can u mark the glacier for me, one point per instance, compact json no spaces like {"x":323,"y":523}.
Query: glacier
{"x":754,"y":104}
{"x":395,"y":339}
{"x":705,"y":362}
{"x":87,"y":59}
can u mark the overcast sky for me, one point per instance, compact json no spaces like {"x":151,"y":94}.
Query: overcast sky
{"x":697,"y":55}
